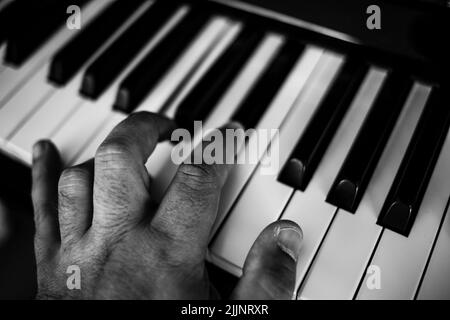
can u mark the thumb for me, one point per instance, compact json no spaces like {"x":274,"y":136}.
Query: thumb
{"x":270,"y":267}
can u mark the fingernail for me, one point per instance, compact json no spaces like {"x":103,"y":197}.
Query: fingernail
{"x":289,"y":239}
{"x":38,"y":149}
{"x":234,"y":125}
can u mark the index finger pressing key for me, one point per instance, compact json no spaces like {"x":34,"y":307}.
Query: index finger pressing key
{"x":189,"y":208}
{"x":121,"y":180}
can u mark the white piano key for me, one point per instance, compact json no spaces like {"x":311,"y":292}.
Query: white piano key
{"x":26,"y":101}
{"x":349,"y":242}
{"x":401,"y":260}
{"x":272,"y":119}
{"x":11,"y":79}
{"x":97,"y":139}
{"x":60,"y":105}
{"x":77,"y":132}
{"x":91,"y":116}
{"x":309,"y":208}
{"x":45,"y":122}
{"x":264,"y":198}
{"x":436,"y":281}
{"x":204,"y":43}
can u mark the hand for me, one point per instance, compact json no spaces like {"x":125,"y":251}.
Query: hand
{"x":100,"y":217}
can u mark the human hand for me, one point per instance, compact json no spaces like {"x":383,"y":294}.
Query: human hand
{"x":99,"y":216}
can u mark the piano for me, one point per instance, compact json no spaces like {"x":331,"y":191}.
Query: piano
{"x":363,"y":115}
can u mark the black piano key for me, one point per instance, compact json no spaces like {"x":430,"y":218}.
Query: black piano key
{"x":198,"y":104}
{"x":8,"y":14}
{"x":69,"y":59}
{"x":108,"y":66}
{"x":360,"y":163}
{"x":307,"y":154}
{"x":139,"y":83}
{"x":38,"y":21}
{"x":408,"y":189}
{"x":261,"y":95}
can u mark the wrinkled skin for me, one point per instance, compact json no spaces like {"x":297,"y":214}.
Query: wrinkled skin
{"x":100,"y":216}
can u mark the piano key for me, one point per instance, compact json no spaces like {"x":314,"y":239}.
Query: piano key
{"x":149,"y":71}
{"x":357,"y":170}
{"x":102,"y":72}
{"x":264,"y":198}
{"x":12,"y":80}
{"x":98,"y":138}
{"x":259,"y":98}
{"x":198,"y":104}
{"x":203,"y":44}
{"x":246,"y":79}
{"x":91,"y":116}
{"x":45,"y":121}
{"x":275,"y":115}
{"x":309,"y":208}
{"x":70,"y":58}
{"x":8,"y":13}
{"x":185,"y":67}
{"x":404,"y":199}
{"x":203,"y":66}
{"x":436,"y":281}
{"x":79,"y":129}
{"x":402,"y":260}
{"x":160,"y":166}
{"x":349,"y":242}
{"x":163,"y":170}
{"x":309,"y":151}
{"x":48,"y":15}
{"x":54,"y":112}
{"x":27,"y":100}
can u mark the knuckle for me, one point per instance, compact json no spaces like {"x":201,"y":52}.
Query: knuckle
{"x":112,"y":149}
{"x":71,"y":176}
{"x":171,"y":249}
{"x":199,"y":177}
{"x":71,"y":182}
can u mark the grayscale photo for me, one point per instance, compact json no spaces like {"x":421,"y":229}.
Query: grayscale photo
{"x":223,"y":154}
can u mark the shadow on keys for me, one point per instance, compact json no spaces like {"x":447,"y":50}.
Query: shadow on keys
{"x":17,"y":262}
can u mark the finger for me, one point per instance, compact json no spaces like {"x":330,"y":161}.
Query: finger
{"x":189,"y":208}
{"x":121,"y":181}
{"x":270,"y":268}
{"x":75,"y":201}
{"x":45,"y":173}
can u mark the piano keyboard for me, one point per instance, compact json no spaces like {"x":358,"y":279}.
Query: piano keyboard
{"x":364,"y":147}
